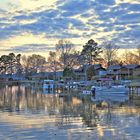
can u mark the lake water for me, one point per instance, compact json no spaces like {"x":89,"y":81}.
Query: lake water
{"x":28,"y":114}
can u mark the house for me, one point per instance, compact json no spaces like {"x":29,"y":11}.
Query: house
{"x":118,"y":72}
{"x":113,"y":72}
{"x":128,"y":70}
{"x":136,"y":71}
{"x":99,"y":70}
{"x":46,"y":75}
{"x":4,"y":77}
{"x":80,"y":74}
{"x":88,"y":71}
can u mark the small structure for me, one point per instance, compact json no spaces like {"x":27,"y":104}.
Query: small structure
{"x":46,"y":75}
{"x":113,"y":71}
{"x":48,"y":85}
{"x":136,"y":72}
{"x":119,"y":72}
{"x":134,"y":90}
{"x":130,"y":70}
{"x":96,"y":69}
{"x":104,"y":82}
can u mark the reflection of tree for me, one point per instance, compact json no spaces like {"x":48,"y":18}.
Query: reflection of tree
{"x":109,"y":116}
{"x":22,"y":98}
{"x":84,"y":110}
{"x":66,"y":110}
{"x":16,"y":98}
{"x":90,"y":115}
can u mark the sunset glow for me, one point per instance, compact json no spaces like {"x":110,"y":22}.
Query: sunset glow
{"x":44,"y":22}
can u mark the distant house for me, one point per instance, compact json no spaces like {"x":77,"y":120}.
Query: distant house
{"x":113,"y":72}
{"x":46,"y":75}
{"x":4,"y":77}
{"x":118,"y":72}
{"x":99,"y":70}
{"x":96,"y":70}
{"x":128,"y":70}
{"x":80,"y":74}
{"x":18,"y":77}
{"x":136,"y":71}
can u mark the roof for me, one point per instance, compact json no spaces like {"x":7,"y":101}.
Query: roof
{"x":48,"y":80}
{"x":44,"y":74}
{"x":97,"y":66}
{"x":131,"y":66}
{"x":105,"y":79}
{"x":116,"y":67}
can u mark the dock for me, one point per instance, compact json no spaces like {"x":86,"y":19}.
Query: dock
{"x":134,"y":90}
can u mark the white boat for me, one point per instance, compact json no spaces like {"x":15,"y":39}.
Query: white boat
{"x":86,"y":92}
{"x":121,"y":89}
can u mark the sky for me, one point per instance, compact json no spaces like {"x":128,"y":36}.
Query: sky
{"x":35,"y":26}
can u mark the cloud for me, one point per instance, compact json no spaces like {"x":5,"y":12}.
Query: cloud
{"x":78,"y":20}
{"x":30,"y":48}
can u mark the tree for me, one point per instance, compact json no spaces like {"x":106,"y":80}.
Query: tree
{"x":4,"y":63}
{"x":138,"y":54}
{"x":68,"y":57}
{"x":10,"y":63}
{"x":73,"y":59}
{"x":90,"y":72}
{"x":34,"y":63}
{"x":110,"y":52}
{"x":25,"y":63}
{"x":129,"y":57}
{"x":53,"y":63}
{"x":91,"y":52}
{"x":65,"y":48}
{"x":18,"y":64}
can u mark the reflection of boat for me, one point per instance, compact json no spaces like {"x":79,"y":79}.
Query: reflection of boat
{"x":93,"y":99}
{"x":48,"y":87}
{"x":110,"y":97}
{"x":113,"y":93}
{"x":46,"y":91}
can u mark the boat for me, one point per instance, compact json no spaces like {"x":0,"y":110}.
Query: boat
{"x":116,"y":89}
{"x":86,"y":92}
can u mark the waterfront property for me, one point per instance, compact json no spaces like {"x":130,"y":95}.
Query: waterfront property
{"x":134,"y":90}
{"x":83,"y":73}
{"x":118,"y":72}
{"x":95,"y":70}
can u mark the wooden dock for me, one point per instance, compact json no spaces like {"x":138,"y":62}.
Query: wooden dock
{"x":134,"y":91}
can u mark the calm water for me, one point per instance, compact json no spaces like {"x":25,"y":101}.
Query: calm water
{"x":28,"y":114}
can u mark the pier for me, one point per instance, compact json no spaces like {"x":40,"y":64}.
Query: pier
{"x":134,"y":91}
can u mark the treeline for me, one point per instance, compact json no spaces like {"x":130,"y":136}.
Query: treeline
{"x":65,"y":57}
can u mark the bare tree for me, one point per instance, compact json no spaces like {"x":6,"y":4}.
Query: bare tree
{"x":110,"y":52}
{"x":131,"y":56}
{"x":138,"y":54}
{"x":53,"y":63}
{"x":34,"y":63}
{"x":64,"y":48}
{"x":25,"y":63}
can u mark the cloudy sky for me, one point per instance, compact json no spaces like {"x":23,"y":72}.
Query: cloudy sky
{"x":35,"y":26}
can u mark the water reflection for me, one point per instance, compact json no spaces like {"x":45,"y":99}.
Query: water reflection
{"x":27,"y":111}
